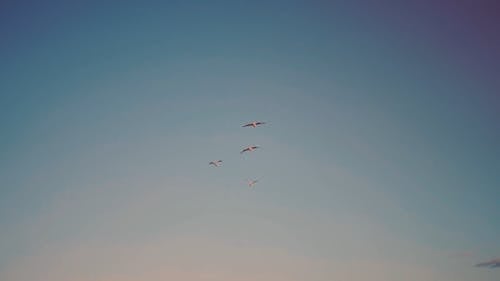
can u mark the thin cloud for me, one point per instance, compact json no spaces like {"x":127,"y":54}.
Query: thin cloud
{"x":461,"y":255}
{"x":491,"y":264}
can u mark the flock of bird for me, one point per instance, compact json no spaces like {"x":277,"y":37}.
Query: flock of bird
{"x":495,"y":263}
{"x":218,"y":163}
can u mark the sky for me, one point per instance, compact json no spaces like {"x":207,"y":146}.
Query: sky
{"x":380,"y":158}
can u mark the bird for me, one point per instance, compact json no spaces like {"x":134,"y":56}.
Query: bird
{"x":250,"y":148}
{"x":251,"y":182}
{"x":254,"y":124}
{"x":492,"y":263}
{"x":215,"y":163}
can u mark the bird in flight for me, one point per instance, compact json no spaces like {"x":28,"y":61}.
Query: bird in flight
{"x":492,"y":263}
{"x":254,"y":124}
{"x":250,"y":148}
{"x":251,"y":182}
{"x":215,"y":163}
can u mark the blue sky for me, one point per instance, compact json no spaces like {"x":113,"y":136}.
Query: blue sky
{"x":380,"y":159}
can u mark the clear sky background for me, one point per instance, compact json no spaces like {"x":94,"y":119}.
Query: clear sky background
{"x":380,"y":161}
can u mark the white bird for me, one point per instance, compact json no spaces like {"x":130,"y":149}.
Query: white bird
{"x":251,"y":182}
{"x":250,"y":148}
{"x":215,"y":163}
{"x":254,"y":124}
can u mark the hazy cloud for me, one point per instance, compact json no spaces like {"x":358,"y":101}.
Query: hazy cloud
{"x":492,"y":263}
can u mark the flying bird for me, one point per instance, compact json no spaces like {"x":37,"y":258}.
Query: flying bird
{"x":250,"y":148}
{"x":254,"y":124}
{"x":215,"y":163}
{"x":491,"y":264}
{"x":251,"y":182}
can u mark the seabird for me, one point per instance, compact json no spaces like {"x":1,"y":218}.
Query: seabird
{"x":215,"y":163}
{"x":251,"y":182}
{"x":250,"y":148}
{"x":254,"y":124}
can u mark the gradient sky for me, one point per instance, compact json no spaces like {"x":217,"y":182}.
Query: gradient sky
{"x":380,"y":161}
